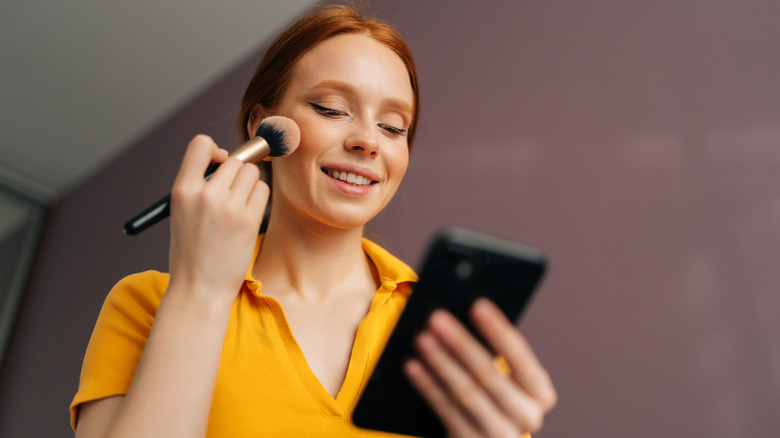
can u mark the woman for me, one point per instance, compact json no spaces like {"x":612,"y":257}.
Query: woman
{"x":229,"y":355}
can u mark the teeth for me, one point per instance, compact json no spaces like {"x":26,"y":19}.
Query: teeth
{"x":351,"y":178}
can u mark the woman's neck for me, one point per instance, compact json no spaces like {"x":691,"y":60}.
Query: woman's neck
{"x":313,"y":262}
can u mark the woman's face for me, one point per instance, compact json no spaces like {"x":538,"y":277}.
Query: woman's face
{"x":351,"y":97}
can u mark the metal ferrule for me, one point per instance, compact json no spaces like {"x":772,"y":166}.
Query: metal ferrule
{"x":253,"y":151}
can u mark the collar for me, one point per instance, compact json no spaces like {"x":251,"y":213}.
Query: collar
{"x":390,"y":269}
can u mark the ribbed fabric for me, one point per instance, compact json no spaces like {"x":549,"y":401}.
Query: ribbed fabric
{"x":264,"y":385}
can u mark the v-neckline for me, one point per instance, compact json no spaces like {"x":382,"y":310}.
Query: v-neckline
{"x":359,"y":358}
{"x":356,"y":367}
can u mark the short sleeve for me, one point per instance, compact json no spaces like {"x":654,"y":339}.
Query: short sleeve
{"x":118,"y":338}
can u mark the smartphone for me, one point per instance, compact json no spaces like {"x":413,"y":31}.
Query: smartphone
{"x":460,"y":266}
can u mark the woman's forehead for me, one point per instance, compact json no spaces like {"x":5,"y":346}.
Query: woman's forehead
{"x":361,"y":62}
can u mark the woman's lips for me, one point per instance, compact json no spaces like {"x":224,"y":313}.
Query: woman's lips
{"x":349,"y":177}
{"x":351,"y":181}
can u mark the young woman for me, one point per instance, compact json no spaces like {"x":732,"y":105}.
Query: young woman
{"x":276,"y":335}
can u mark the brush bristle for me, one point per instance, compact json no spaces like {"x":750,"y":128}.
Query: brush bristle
{"x":281,"y":133}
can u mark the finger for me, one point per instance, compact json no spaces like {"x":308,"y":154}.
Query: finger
{"x":507,"y":341}
{"x":462,"y":387}
{"x":521,"y":409}
{"x":200,"y":152}
{"x":224,"y":176}
{"x":438,"y":399}
{"x":258,"y":200}
{"x":244,"y":182}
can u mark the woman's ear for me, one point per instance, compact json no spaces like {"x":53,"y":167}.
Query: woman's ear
{"x":256,"y":115}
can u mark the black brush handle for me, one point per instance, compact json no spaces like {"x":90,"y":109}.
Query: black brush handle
{"x":157,"y":211}
{"x":145,"y":219}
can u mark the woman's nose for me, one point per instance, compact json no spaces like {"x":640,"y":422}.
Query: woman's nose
{"x":364,"y":139}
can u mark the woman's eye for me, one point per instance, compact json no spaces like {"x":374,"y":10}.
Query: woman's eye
{"x":326,"y":111}
{"x":392,"y":130}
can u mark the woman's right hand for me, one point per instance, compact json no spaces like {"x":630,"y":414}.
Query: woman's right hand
{"x":214,"y":226}
{"x":214,"y":223}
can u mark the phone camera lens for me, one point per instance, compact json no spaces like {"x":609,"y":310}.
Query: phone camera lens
{"x":464,"y":269}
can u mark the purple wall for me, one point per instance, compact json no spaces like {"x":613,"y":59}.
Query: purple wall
{"x":637,"y":143}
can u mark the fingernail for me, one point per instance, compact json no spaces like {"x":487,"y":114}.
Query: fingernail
{"x":425,"y":341}
{"x":441,"y":318}
{"x":412,"y":367}
{"x":482,"y":304}
{"x":437,"y":314}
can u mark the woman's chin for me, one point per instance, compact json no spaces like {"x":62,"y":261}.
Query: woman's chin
{"x":347,"y":223}
{"x":347,"y":216}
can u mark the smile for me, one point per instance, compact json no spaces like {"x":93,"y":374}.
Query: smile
{"x":348,"y":177}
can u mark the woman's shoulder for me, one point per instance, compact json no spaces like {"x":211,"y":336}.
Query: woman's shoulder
{"x":144,"y":289}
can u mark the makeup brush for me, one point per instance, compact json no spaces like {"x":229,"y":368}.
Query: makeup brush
{"x":277,"y":136}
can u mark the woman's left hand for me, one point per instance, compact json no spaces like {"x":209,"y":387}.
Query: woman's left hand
{"x":462,"y":383}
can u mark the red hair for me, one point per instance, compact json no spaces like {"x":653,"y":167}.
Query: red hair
{"x":273,"y":74}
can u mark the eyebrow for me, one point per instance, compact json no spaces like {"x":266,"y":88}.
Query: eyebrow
{"x":393,"y":102}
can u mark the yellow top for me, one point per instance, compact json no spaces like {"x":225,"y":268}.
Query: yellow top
{"x":264,"y":385}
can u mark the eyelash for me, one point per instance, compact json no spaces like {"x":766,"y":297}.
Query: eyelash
{"x":329,"y":112}
{"x":326,"y":111}
{"x":392,"y":130}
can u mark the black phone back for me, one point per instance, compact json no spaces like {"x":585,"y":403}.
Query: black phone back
{"x":460,"y":267}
